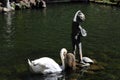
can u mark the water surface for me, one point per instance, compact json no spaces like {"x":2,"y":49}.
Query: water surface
{"x":37,"y":33}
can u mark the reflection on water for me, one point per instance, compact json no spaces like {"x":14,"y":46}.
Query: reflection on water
{"x":45,"y":77}
{"x":8,"y":30}
{"x":44,"y":11}
{"x":36,"y":33}
{"x":63,"y":76}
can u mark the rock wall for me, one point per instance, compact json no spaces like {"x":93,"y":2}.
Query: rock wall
{"x":51,"y":1}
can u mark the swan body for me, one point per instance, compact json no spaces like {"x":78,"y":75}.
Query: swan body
{"x":46,"y":65}
{"x":86,"y":61}
{"x":70,"y":61}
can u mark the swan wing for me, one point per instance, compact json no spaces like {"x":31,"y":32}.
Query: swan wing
{"x":51,"y":66}
{"x":47,"y":65}
{"x":34,"y":68}
{"x":87,"y":60}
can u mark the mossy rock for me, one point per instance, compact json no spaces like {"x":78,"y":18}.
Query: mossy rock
{"x":96,"y":66}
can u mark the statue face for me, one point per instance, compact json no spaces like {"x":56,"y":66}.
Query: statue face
{"x":80,"y":17}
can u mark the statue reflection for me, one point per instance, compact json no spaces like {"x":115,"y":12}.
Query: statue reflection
{"x":44,"y":11}
{"x":8,"y":30}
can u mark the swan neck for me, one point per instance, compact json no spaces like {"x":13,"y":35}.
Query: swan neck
{"x":62,"y":60}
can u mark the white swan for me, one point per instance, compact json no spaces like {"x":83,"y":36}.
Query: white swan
{"x":86,"y":61}
{"x":47,"y":65}
{"x":44,"y":65}
{"x":8,"y":7}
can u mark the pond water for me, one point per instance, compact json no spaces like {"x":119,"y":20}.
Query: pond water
{"x":36,"y":33}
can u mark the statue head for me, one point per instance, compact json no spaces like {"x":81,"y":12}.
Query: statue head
{"x":79,"y":17}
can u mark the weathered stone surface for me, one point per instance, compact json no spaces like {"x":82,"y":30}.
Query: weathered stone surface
{"x":96,"y":66}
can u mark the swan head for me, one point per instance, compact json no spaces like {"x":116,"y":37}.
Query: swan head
{"x":32,"y":63}
{"x":79,"y":16}
{"x":34,"y":67}
{"x":63,"y":53}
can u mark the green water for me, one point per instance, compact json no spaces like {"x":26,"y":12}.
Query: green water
{"x":37,"y":33}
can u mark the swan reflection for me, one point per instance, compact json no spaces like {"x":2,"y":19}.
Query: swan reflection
{"x":63,"y":76}
{"x":45,"y":77}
